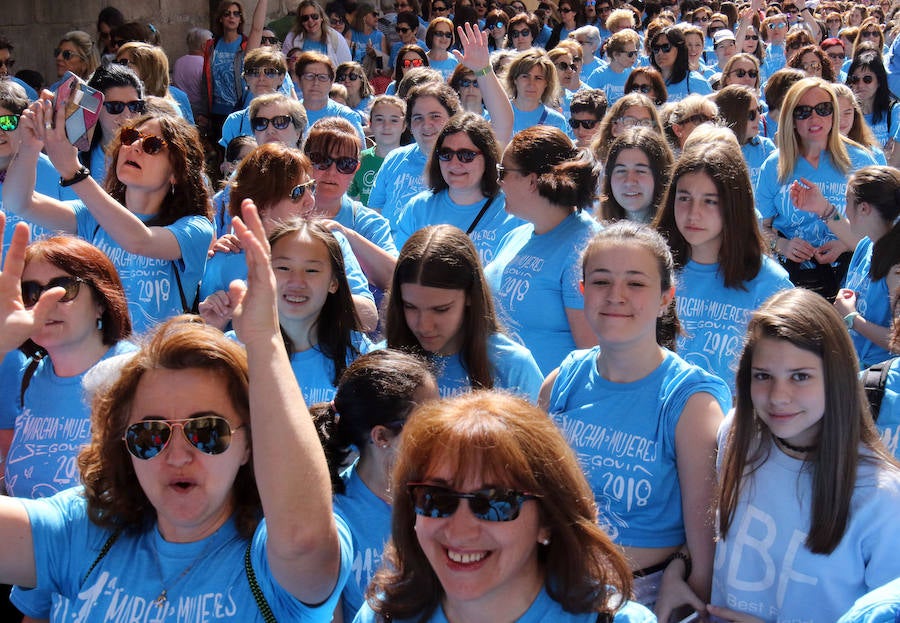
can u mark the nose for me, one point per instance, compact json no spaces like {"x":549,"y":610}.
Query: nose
{"x":616,"y":292}
{"x":178,"y":451}
{"x":779,"y":393}
{"x":462,"y":526}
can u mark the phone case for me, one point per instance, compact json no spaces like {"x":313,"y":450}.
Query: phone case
{"x":82,"y":105}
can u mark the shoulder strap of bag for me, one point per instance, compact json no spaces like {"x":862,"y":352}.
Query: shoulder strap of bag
{"x":261,"y":602}
{"x":29,"y":374}
{"x":484,"y":208}
{"x":874,"y":381}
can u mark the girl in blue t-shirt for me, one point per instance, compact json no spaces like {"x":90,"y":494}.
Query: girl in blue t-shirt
{"x":440,"y":307}
{"x":710,"y":222}
{"x":641,"y":419}
{"x":375,"y":396}
{"x":869,"y":81}
{"x":635,"y":176}
{"x":740,"y":111}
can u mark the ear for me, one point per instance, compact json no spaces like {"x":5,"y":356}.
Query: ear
{"x":863,"y":207}
{"x":381,"y":436}
{"x":666,"y":300}
{"x":333,"y":286}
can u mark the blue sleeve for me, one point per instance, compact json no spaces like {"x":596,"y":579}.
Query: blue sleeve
{"x":406,"y":222}
{"x":767,"y":187}
{"x":356,"y":279}
{"x":231,"y":127}
{"x":184,"y":104}
{"x":11,"y":368}
{"x":375,"y":228}
{"x":194,"y":235}
{"x":378,"y":196}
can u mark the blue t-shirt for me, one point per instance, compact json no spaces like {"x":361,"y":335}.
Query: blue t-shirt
{"x":428,"y":208}
{"x":401,"y":176}
{"x":225,"y":97}
{"x":184,"y":104}
{"x":46,"y":183}
{"x":367,"y":223}
{"x":693,"y":83}
{"x":755,"y":151}
{"x":513,"y":368}
{"x":881,"y":605}
{"x":125,"y":583}
{"x":888,"y":126}
{"x":542,"y":115}
{"x":612,"y":82}
{"x":360,"y":40}
{"x":888,"y":422}
{"x":334,"y":109}
{"x":714,"y":318}
{"x":314,"y":370}
{"x":534,"y":279}
{"x":873,"y":302}
{"x":369,"y":520}
{"x":624,"y":437}
{"x":150,"y":283}
{"x":445,"y":66}
{"x":236,"y":124}
{"x":10,"y":385}
{"x":542,"y":610}
{"x":762,"y":565}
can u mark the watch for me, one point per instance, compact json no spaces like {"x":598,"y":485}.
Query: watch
{"x":82,"y":174}
{"x":849,"y":318}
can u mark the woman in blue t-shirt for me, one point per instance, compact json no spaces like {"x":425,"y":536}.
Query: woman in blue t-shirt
{"x":869,"y":81}
{"x":533,"y":86}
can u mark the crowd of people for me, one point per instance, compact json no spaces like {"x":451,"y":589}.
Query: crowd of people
{"x":471,"y":311}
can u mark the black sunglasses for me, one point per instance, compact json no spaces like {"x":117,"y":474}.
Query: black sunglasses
{"x":741,"y":73}
{"x":66,"y":54}
{"x":488,"y":504}
{"x":822,"y":109}
{"x":445,"y":154}
{"x":641,"y":88}
{"x":344,"y":164}
{"x":444,"y":34}
{"x":563,"y":66}
{"x":515,"y":34}
{"x":32,"y":290}
{"x":279,"y":122}
{"x":587,"y":124}
{"x":311,"y":16}
{"x":465,"y":82}
{"x":115,"y":108}
{"x":662,"y":47}
{"x":210,"y":434}
{"x":867,"y":79}
{"x":351,"y":76}
{"x":149,"y":143}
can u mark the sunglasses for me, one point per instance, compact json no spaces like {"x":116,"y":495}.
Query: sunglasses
{"x":32,"y":290}
{"x":151,"y":144}
{"x":446,"y":34}
{"x":587,"y":124}
{"x":566,"y":10}
{"x":502,"y":171}
{"x":351,"y":77}
{"x":412,"y":62}
{"x":563,"y":66}
{"x":742,"y":73}
{"x":8,"y":63}
{"x":8,"y":123}
{"x":66,"y":54}
{"x":634,"y":122}
{"x":778,"y":26}
{"x":465,"y":83}
{"x":337,"y":21}
{"x":445,"y":154}
{"x":298,"y":191}
{"x":312,"y":16}
{"x":268,"y":72}
{"x":116,"y":108}
{"x":404,"y":30}
{"x":210,"y":434}
{"x":662,"y":47}
{"x":822,"y":109}
{"x":701,"y":20}
{"x":515,"y":34}
{"x":867,"y":79}
{"x":753,"y":113}
{"x":869,"y":34}
{"x":270,"y":41}
{"x":439,"y":9}
{"x":641,"y":88}
{"x":489,"y":504}
{"x":231,"y":14}
{"x":836,"y":57}
{"x":279,"y":122}
{"x":751,"y":37}
{"x":344,"y":164}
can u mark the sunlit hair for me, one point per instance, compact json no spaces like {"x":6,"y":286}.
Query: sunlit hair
{"x":80,"y":258}
{"x":443,"y":256}
{"x":479,"y":131}
{"x":265,"y":56}
{"x":620,"y":14}
{"x":860,"y":130}
{"x":494,"y":438}
{"x":337,"y":320}
{"x":432,"y":26}
{"x":377,"y":389}
{"x":879,"y":186}
{"x":267,"y":175}
{"x":294,"y":108}
{"x":388,"y":100}
{"x":528,"y":20}
{"x":13,"y":96}
{"x":332,"y":136}
{"x":827,"y":70}
{"x":617,"y":42}
{"x":787,"y":141}
{"x":523,"y":63}
{"x":324,"y":25}
{"x":741,"y":249}
{"x":603,"y":140}
{"x":115,"y":498}
{"x":590,"y":101}
{"x":418,"y":76}
{"x":737,"y":58}
{"x":734,"y":103}
{"x":308,"y":58}
{"x":566,"y":176}
{"x":403,"y":51}
{"x":188,"y":195}
{"x":660,"y":158}
{"x":809,"y":322}
{"x":86,"y":50}
{"x":655,"y":78}
{"x":680,"y":68}
{"x":221,"y":8}
{"x":151,"y":64}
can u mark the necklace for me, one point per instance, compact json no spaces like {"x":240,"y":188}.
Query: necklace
{"x":801,"y":449}
{"x":163,"y":596}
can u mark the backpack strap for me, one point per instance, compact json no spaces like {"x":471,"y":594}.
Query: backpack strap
{"x":194,"y":308}
{"x":261,"y":602}
{"x":33,"y":364}
{"x":103,"y":552}
{"x":874,"y":381}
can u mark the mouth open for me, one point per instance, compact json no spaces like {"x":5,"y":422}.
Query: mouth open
{"x":466,"y":559}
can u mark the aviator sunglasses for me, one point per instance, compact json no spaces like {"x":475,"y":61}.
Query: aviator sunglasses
{"x":32,"y":290}
{"x":488,"y":504}
{"x":150,"y":144}
{"x":299,"y":190}
{"x":210,"y":434}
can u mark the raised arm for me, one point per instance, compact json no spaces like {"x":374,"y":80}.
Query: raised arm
{"x":291,"y":471}
{"x":476,"y":56}
{"x":257,"y":25}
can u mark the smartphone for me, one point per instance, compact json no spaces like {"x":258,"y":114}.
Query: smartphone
{"x":81,"y":109}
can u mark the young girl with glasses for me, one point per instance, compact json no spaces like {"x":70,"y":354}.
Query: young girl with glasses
{"x":408,"y":57}
{"x":629,"y":392}
{"x":440,"y":307}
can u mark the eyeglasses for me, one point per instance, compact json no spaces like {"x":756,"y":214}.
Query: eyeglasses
{"x":299,"y":190}
{"x":566,"y":10}
{"x":231,"y":14}
{"x":489,"y":504}
{"x":869,"y":34}
{"x":151,"y":144}
{"x":8,"y":123}
{"x":695,"y":119}
{"x":67,"y":55}
{"x":412,"y":62}
{"x":446,"y":34}
{"x":515,"y":34}
{"x":662,"y":47}
{"x":311,"y":16}
{"x":270,"y":41}
{"x":811,"y":66}
{"x":439,"y":9}
{"x":641,"y":88}
{"x":836,"y":56}
{"x":751,"y":37}
{"x":587,"y":124}
{"x":32,"y":290}
{"x":348,"y":77}
{"x":210,"y":434}
{"x":445,"y":154}
{"x":310,"y":77}
{"x":279,"y":122}
{"x":742,"y":73}
{"x":563,"y":66}
{"x":403,"y":30}
{"x":502,"y":171}
{"x":822,"y":109}
{"x":778,"y":26}
{"x":116,"y":108}
{"x":7,"y":62}
{"x":268,"y":72}
{"x":634,"y":122}
{"x":344,"y":164}
{"x":867,"y":79}
{"x":337,"y":21}
{"x":753,"y":113}
{"x":701,"y":20}
{"x":465,"y":83}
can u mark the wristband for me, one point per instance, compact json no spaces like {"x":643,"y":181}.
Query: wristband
{"x":82,"y":174}
{"x":483,"y":71}
{"x":849,"y":318}
{"x":688,"y":565}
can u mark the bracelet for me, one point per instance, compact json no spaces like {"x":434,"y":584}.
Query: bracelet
{"x":483,"y":71}
{"x":688,"y":565}
{"x":849,"y":318}
{"x":832,"y":214}
{"x":773,"y":245}
{"x":82,"y":174}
